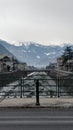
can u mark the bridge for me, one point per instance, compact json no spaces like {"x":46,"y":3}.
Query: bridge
{"x":28,"y":71}
{"x":38,"y":70}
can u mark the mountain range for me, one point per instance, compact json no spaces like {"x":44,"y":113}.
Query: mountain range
{"x":33,"y":54}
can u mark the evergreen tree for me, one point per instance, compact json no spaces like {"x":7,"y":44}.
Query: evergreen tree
{"x":68,"y":54}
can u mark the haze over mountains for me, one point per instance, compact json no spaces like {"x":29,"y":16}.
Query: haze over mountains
{"x":33,"y":53}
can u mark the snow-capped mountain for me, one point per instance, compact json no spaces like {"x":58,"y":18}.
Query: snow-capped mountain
{"x":33,"y":53}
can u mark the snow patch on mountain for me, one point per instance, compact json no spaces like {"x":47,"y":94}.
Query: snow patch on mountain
{"x":47,"y":54}
{"x":23,"y":51}
{"x":15,"y":43}
{"x":52,"y":53}
{"x":38,"y":57}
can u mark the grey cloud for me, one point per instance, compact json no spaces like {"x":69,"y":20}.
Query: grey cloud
{"x":53,"y":19}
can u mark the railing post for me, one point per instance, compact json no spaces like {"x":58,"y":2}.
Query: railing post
{"x":37,"y":92}
{"x":21,"y":88}
{"x":58,"y":87}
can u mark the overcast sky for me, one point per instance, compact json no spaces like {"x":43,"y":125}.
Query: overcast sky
{"x":42,"y":21}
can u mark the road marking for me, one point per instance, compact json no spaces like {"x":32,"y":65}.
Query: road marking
{"x":36,"y":120}
{"x":36,"y":117}
{"x":58,"y":122}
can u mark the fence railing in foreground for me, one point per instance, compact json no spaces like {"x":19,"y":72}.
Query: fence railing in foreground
{"x":50,"y":87}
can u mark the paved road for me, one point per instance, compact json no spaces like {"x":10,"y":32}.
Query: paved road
{"x":33,"y":119}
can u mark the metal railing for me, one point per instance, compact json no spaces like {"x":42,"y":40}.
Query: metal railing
{"x":26,"y":87}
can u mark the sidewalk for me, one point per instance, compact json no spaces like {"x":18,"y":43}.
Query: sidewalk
{"x":31,"y":103}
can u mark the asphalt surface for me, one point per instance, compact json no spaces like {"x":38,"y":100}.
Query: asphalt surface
{"x":36,"y":119}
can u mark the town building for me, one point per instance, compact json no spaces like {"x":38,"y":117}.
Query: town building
{"x":21,"y":66}
{"x":60,"y":63}
{"x":7,"y":63}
